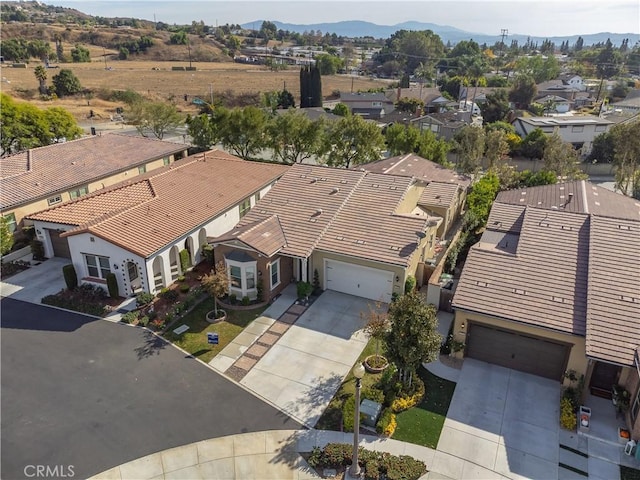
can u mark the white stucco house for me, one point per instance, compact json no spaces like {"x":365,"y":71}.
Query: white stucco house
{"x":136,"y":229}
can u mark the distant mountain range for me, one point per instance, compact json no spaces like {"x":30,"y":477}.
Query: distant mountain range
{"x":356,"y":28}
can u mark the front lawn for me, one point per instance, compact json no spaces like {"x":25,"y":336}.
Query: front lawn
{"x":194,"y":340}
{"x":423,"y":423}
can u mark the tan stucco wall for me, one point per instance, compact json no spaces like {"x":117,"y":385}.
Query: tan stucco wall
{"x":41,"y":204}
{"x":577,"y":357}
{"x":410,"y":199}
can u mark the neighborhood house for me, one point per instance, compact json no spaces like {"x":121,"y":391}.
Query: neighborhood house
{"x":138,"y":229}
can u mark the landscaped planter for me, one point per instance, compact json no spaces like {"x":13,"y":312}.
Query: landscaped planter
{"x":211,"y":316}
{"x":375,"y":363}
{"x":241,"y":307}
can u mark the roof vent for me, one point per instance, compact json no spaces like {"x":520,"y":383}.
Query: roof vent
{"x":314,"y":180}
{"x":554,"y":207}
{"x":74,"y":163}
{"x":519,"y":291}
{"x":335,"y":190}
{"x":318,"y":212}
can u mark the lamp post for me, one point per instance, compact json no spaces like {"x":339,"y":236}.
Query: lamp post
{"x":358,"y":373}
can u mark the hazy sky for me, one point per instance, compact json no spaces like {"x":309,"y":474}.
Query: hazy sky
{"x":529,"y":17}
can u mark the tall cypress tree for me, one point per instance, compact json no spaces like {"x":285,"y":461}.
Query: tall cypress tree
{"x":304,"y":87}
{"x":316,"y":87}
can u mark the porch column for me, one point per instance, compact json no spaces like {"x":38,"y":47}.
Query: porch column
{"x":305,"y":273}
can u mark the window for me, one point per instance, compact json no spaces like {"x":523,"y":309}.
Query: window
{"x":10,"y":218}
{"x":236,"y":276}
{"x":250,"y":274}
{"x":54,"y":200}
{"x":257,"y":197}
{"x":79,"y":192}
{"x":245,"y":206}
{"x":601,"y":128}
{"x":376,"y":104}
{"x":166,"y":161}
{"x":142,"y":169}
{"x":577,"y":129}
{"x":97,"y":267}
{"x":635,"y":408}
{"x":274,"y":268}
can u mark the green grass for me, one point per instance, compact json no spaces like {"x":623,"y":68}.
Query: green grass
{"x":628,"y":473}
{"x":423,"y":423}
{"x":194,"y":340}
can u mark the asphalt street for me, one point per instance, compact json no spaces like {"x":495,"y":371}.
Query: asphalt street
{"x":89,"y":394}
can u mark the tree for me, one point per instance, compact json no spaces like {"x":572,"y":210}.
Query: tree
{"x":561,"y":158}
{"x":469,"y":147}
{"x":154,"y":117}
{"x":79,"y":54}
{"x":540,"y":68}
{"x":402,"y":139}
{"x":496,"y":147}
{"x":433,"y":148}
{"x":495,"y":108}
{"x":377,"y":324}
{"x":244,"y":131}
{"x":328,"y":64}
{"x":533,"y":144}
{"x":216,"y":283}
{"x":481,"y":197}
{"x":310,"y":87}
{"x":603,"y":149}
{"x":341,"y":110}
{"x":41,"y":75}
{"x":608,"y":61}
{"x":6,"y":237}
{"x":205,"y":129}
{"x":523,"y":91}
{"x":62,"y":125}
{"x":66,"y":83}
{"x":294,"y":137}
{"x":352,"y":141}
{"x":413,"y":337}
{"x":626,"y":140}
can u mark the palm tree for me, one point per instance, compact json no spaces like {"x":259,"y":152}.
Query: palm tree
{"x":41,"y":75}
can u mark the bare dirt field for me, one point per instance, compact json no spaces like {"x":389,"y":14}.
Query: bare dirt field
{"x":156,"y":80}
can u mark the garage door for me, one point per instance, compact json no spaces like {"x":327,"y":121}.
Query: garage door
{"x":359,"y":281}
{"x":60,"y":245}
{"x":514,"y":350}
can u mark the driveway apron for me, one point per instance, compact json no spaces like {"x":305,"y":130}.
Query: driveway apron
{"x":303,"y":370}
{"x":503,"y":420}
{"x":36,"y":282}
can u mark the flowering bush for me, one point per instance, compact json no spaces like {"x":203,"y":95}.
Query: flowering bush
{"x":387,"y":423}
{"x":405,"y":401}
{"x":567,"y":416}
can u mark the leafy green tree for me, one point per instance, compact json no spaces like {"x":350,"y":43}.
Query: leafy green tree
{"x":540,"y":68}
{"x":451,"y":86}
{"x":79,"y":54}
{"x":496,"y":147}
{"x":626,"y":140}
{"x":328,"y":64}
{"x":561,"y":158}
{"x":410,"y":105}
{"x":352,"y":141}
{"x":341,"y":110}
{"x":66,"y":83}
{"x":481,"y":197}
{"x":469,"y":144}
{"x":205,"y":129}
{"x":411,"y":48}
{"x":402,"y":139}
{"x":523,"y":91}
{"x":154,"y":117}
{"x":268,"y":30}
{"x":533,"y":144}
{"x":38,"y":49}
{"x":178,"y":38}
{"x":15,"y":49}
{"x":603,"y":149}
{"x":542,"y":177}
{"x":433,"y":148}
{"x":495,"y":108}
{"x":244,"y":131}
{"x":294,"y":137}
{"x":6,"y":237}
{"x":62,"y":125}
{"x":608,"y":62}
{"x":286,"y":100}
{"x":413,"y":337}
{"x":41,"y":75}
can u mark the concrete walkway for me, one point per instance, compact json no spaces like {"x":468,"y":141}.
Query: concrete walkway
{"x":41,"y":279}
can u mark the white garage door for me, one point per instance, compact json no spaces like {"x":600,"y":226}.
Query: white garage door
{"x":359,"y":281}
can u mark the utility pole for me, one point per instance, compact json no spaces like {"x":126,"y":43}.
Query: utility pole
{"x":503,"y":33}
{"x":189,"y":48}
{"x":104,"y":54}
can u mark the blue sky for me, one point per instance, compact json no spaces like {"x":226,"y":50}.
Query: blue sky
{"x":530,"y":17}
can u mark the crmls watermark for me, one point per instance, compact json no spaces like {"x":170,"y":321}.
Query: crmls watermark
{"x":49,"y":471}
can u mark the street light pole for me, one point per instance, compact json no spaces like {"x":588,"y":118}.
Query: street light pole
{"x":358,"y":373}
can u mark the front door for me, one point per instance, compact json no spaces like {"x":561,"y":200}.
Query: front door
{"x":603,"y":378}
{"x":134,"y":277}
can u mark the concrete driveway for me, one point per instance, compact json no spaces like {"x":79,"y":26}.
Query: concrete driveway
{"x":304,"y":369}
{"x":503,"y":421}
{"x":36,"y":282}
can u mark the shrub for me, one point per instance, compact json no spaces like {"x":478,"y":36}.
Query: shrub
{"x":304,"y":289}
{"x":410,"y":284}
{"x":84,"y":298}
{"x":37,"y":250}
{"x":233,"y":299}
{"x":348,"y":413}
{"x":70,"y":277}
{"x":144,"y":321}
{"x":386,"y":423}
{"x":405,"y":401}
{"x":185,"y":259}
{"x":207,"y":252}
{"x":373,"y":394}
{"x":184,"y":288}
{"x":316,"y":281}
{"x":130,"y":317}
{"x":112,"y":285}
{"x":245,"y":301}
{"x":143,"y":298}
{"x":260,"y":291}
{"x":337,"y":454}
{"x":169,"y":294}
{"x":567,"y":415}
{"x":158,"y":324}
{"x":181,"y":278}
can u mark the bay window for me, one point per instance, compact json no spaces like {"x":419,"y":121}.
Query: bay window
{"x":97,"y":267}
{"x":242,"y":275}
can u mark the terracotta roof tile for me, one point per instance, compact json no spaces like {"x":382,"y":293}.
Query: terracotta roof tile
{"x":613,"y":311}
{"x":418,"y":167}
{"x":41,"y":172}
{"x":185,"y":195}
{"x":437,"y":194}
{"x":506,"y":218}
{"x":265,"y":236}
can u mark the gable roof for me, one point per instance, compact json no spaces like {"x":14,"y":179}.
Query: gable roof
{"x":150,"y":212}
{"x":44,"y":171}
{"x":438,"y":194}
{"x":343,"y":211}
{"x":418,"y":167}
{"x":570,"y":263}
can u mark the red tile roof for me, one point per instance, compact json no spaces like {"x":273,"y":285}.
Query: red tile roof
{"x":418,"y":167}
{"x":41,"y":172}
{"x":152,"y":211}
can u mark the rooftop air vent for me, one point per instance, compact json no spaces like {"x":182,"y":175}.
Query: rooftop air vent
{"x":335,"y":190}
